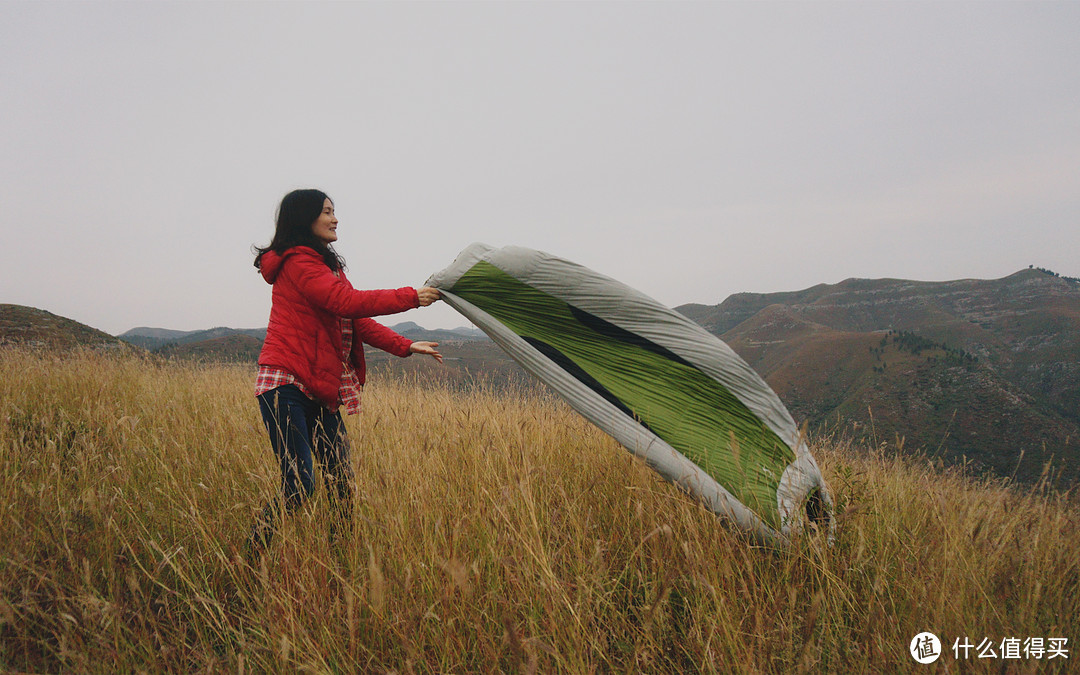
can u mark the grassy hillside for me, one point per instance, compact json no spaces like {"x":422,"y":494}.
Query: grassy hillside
{"x":497,"y":532}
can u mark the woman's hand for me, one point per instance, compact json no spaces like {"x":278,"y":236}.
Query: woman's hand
{"x":428,"y":295}
{"x":426,"y":348}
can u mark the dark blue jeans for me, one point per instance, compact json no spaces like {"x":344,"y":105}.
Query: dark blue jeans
{"x":303,"y":432}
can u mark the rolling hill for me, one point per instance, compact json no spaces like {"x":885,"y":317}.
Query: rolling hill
{"x":37,"y":329}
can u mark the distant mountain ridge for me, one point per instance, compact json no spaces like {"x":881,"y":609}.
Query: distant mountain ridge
{"x":156,"y":333}
{"x":414,"y":331}
{"x":157,"y":338}
{"x":989,"y":370}
{"x":244,"y":344}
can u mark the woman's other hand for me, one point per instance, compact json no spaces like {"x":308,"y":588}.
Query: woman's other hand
{"x":428,"y":295}
{"x":426,"y":348}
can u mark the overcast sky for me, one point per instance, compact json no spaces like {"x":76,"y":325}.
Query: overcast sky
{"x":691,"y":150}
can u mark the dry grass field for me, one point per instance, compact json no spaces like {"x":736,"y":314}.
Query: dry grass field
{"x":495,"y":531}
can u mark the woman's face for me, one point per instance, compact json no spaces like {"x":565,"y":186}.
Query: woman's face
{"x":325,"y":226}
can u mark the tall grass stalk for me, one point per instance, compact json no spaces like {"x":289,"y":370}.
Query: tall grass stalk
{"x":495,"y":531}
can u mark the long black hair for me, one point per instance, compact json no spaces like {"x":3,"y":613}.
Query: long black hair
{"x":298,"y":212}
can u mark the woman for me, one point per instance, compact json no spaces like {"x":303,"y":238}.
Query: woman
{"x":312,"y":361}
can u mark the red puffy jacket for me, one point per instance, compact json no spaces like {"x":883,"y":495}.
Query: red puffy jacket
{"x":304,"y":334}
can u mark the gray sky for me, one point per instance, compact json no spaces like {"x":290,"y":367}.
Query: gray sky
{"x":691,"y":150}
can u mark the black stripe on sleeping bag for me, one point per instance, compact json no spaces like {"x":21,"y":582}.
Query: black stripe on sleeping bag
{"x":613,"y":332}
{"x":575,"y":371}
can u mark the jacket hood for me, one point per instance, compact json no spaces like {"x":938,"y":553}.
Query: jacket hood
{"x":270,"y":265}
{"x":271,"y":262}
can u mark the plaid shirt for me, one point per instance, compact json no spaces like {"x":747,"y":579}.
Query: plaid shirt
{"x":349,"y":392}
